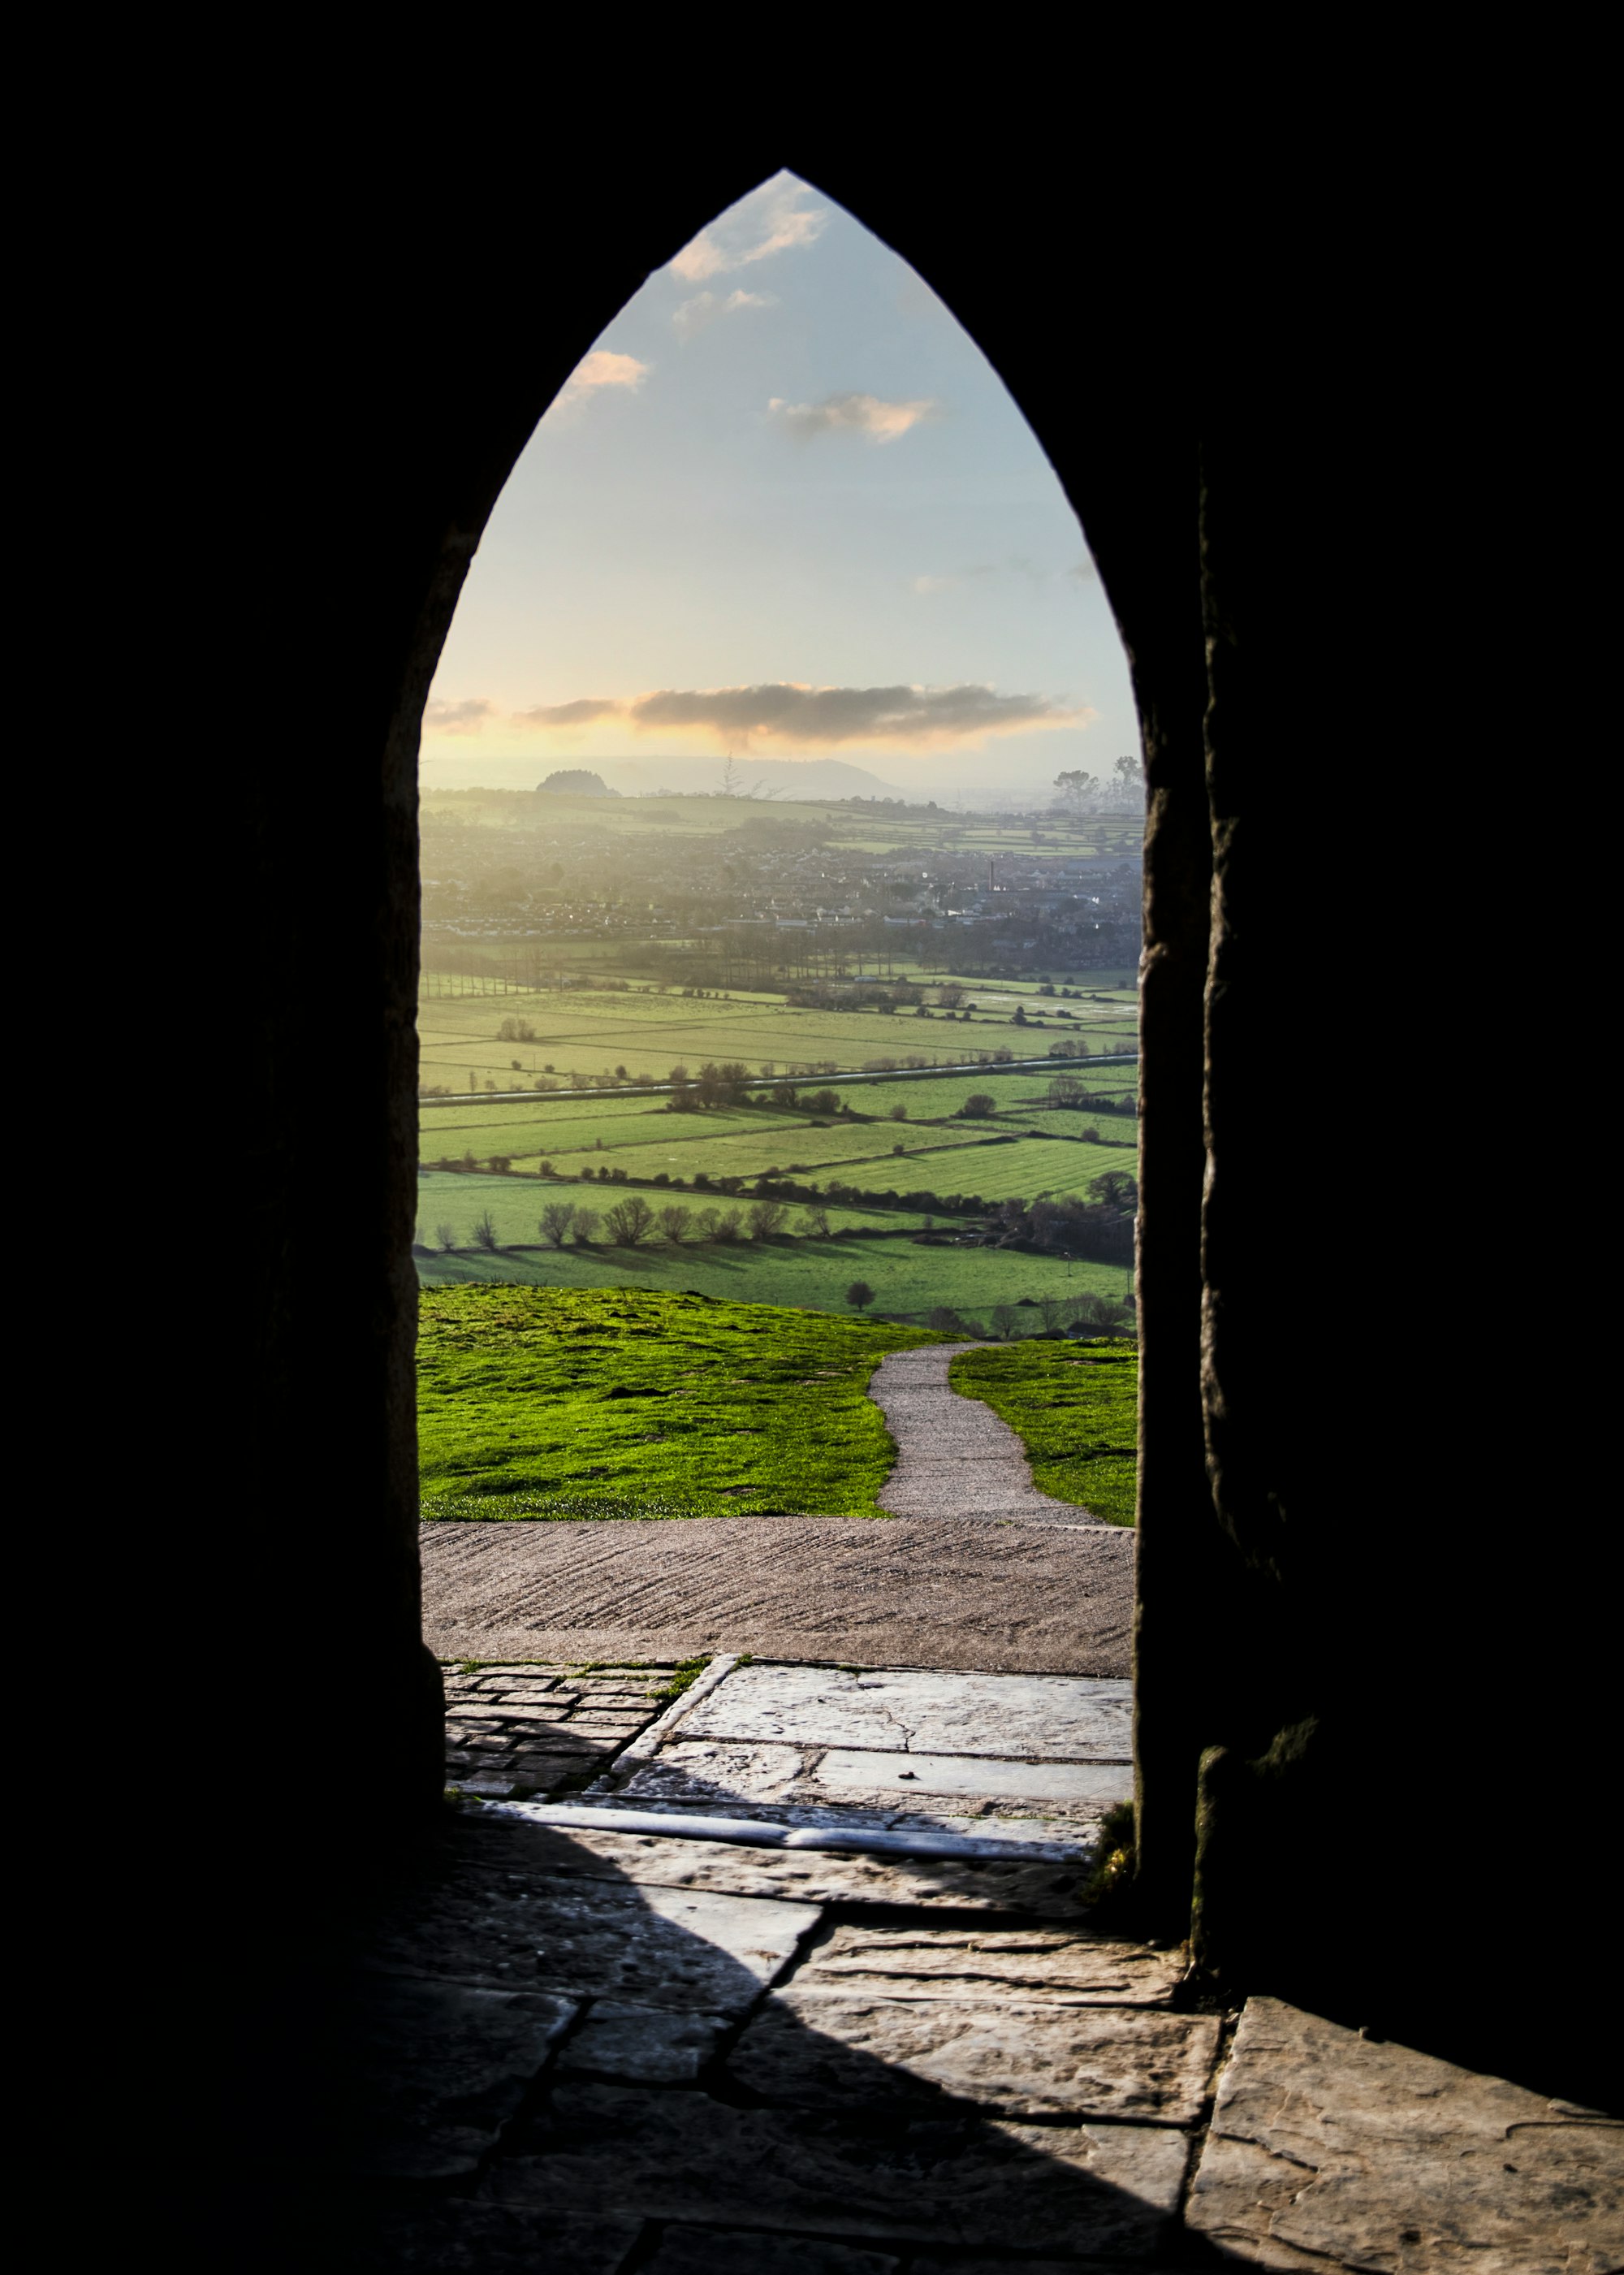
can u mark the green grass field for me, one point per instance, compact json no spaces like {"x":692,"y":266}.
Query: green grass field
{"x":640,"y":1136}
{"x":906,"y":1277}
{"x":585,"y":1032}
{"x":1075,"y":1409}
{"x":615,"y":1402}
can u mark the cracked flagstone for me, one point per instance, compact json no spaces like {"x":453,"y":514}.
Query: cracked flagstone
{"x":1328,"y":2147}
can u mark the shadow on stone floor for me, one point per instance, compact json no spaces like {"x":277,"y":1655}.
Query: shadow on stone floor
{"x":517,"y":2063}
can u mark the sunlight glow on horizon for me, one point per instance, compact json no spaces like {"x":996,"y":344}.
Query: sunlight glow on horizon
{"x":805,"y":521}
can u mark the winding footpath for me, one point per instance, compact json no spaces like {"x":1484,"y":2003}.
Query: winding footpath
{"x":978,"y":1570}
{"x":955,"y":1457}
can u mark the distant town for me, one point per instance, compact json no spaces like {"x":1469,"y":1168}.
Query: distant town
{"x":730,"y":891}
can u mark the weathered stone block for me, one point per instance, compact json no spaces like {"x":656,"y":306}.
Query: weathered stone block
{"x":709,"y":1775}
{"x":453,"y":2235}
{"x":1085,"y":1785}
{"x":415,"y":2079}
{"x":825,"y":2049}
{"x":1036,"y":1717}
{"x":1104,"y":2189}
{"x":1033,"y":1964}
{"x":643,"y":2045}
{"x":803,"y":1875}
{"x":680,"y":1948}
{"x":719,"y":2251}
{"x":1326,"y":2147}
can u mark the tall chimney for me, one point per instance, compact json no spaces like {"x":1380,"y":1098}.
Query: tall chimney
{"x":991,"y":880}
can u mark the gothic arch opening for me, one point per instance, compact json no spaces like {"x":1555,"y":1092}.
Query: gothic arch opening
{"x":781,"y":802}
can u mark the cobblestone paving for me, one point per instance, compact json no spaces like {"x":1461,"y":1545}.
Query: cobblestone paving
{"x":516,"y":1728}
{"x":579,"y":2049}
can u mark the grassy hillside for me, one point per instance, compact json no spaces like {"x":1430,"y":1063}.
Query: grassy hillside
{"x":906,"y":1277}
{"x":1076,"y":1409}
{"x":617,"y":1403}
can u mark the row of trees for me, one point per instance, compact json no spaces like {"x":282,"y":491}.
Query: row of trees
{"x":634,"y":1223}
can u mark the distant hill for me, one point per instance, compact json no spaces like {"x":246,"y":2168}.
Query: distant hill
{"x":790,"y":778}
{"x":579,"y":782}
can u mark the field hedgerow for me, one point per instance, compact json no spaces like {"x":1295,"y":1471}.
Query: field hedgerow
{"x":555,"y":1402}
{"x":1075,"y":1409}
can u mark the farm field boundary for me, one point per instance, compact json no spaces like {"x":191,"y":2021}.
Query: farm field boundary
{"x":1050,"y":1065}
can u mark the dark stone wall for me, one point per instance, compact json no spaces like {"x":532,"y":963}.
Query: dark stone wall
{"x":1339,"y":1596}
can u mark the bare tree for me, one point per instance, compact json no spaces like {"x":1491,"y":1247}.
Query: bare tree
{"x":767,"y":1219}
{"x":1052,"y":1311}
{"x":1004,"y":1321}
{"x":630,"y":1223}
{"x":674,"y":1223}
{"x":485,"y":1234}
{"x":979,"y":1106}
{"x":899,"y":1113}
{"x":556,"y":1218}
{"x":859,"y":1295}
{"x":727,"y":1225}
{"x":818,"y":1218}
{"x":446,"y":1237}
{"x":586,"y":1227}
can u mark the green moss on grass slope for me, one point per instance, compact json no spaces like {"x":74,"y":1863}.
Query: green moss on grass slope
{"x":624,"y":1402}
{"x":1075,"y":1409}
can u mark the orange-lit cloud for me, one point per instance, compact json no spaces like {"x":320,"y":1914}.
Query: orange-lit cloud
{"x":861,"y":414}
{"x":793,"y":717}
{"x":603,"y":368}
{"x":773,"y":219}
{"x":456,"y":718}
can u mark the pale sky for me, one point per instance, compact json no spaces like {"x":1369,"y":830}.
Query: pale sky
{"x":787,"y":509}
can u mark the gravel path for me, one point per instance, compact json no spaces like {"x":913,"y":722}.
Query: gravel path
{"x":994,"y":1598}
{"x":955,"y":1458}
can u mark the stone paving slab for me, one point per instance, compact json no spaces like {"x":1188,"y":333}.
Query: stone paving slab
{"x":1024,"y":1964}
{"x":937,"y":1594}
{"x":690,"y":1949}
{"x":1091,"y":1787}
{"x":433,"y":2072}
{"x":457,"y":2235}
{"x":642,"y":2045}
{"x":806,"y":1876}
{"x":836,"y":1787}
{"x":931,"y":1711}
{"x":718,"y":2251}
{"x":1110,"y":2190}
{"x":955,"y":1458}
{"x":1328,"y":2147}
{"x":819,"y":2049}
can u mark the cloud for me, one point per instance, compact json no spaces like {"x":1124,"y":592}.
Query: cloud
{"x":772,"y":219}
{"x":600,"y":369}
{"x":442,"y":718}
{"x":705,"y":307}
{"x":864,"y":414}
{"x":569,"y":715}
{"x":787,"y":714}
